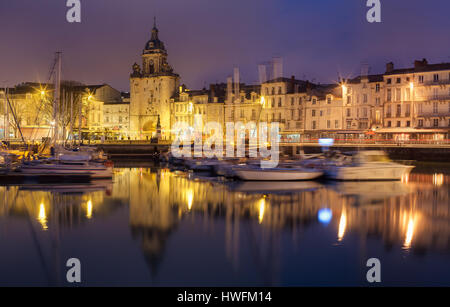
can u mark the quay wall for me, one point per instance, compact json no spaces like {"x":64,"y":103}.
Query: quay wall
{"x":425,"y":153}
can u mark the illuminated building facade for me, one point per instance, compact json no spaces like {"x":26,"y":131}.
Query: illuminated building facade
{"x":151,"y":87}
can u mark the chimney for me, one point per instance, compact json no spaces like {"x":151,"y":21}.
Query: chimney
{"x":212,"y":92}
{"x":390,"y":67}
{"x":420,"y":64}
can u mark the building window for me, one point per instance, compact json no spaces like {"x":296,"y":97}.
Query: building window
{"x":336,"y":124}
{"x":389,"y":124}
{"x":399,"y":110}
{"x":408,"y":123}
{"x":313,"y":113}
{"x":389,"y":95}
{"x":364,"y":98}
{"x":436,"y":122}
{"x":399,"y":80}
{"x":389,"y":81}
{"x":313,"y":124}
{"x":377,"y":87}
{"x":435,"y":93}
{"x":292,"y":101}
{"x":328,"y":124}
{"x":420,"y":79}
{"x":329,"y":100}
{"x":435,"y":77}
{"x":279,"y":102}
{"x":435,"y":107}
{"x":398,"y":94}
{"x":377,"y":101}
{"x":314,"y":101}
{"x":420,"y":122}
{"x":349,"y":112}
{"x":321,"y":113}
{"x":398,"y":123}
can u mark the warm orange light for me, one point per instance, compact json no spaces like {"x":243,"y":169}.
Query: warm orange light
{"x":42,"y":216}
{"x":409,"y":232}
{"x":262,"y":205}
{"x":89,"y":209}
{"x":342,"y":225}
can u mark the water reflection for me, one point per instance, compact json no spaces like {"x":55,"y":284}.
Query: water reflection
{"x":262,"y":225}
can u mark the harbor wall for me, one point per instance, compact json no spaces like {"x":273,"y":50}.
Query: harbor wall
{"x":418,"y":153}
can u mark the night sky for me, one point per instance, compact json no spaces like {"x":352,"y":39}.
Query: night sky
{"x":206,"y":38}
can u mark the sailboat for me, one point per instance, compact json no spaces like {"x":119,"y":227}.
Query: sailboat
{"x":65,"y":163}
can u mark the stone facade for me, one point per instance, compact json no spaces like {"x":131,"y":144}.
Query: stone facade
{"x":151,"y":87}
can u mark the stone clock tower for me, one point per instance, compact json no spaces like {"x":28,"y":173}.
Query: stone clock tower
{"x":151,"y":88}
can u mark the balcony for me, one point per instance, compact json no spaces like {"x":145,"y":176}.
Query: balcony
{"x":438,"y":97}
{"x":433,"y":114}
{"x":439,"y":82}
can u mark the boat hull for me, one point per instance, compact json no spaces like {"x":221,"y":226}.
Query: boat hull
{"x":363,"y":173}
{"x":277,"y":174}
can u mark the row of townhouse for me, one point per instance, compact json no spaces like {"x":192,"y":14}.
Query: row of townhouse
{"x":104,"y":111}
{"x":401,"y":104}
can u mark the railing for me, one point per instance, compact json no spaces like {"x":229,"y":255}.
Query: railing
{"x":433,"y":114}
{"x":440,"y":82}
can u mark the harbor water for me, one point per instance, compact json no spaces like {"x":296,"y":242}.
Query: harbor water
{"x":150,"y":226}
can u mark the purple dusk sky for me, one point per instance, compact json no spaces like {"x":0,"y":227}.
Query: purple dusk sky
{"x":207,"y":38}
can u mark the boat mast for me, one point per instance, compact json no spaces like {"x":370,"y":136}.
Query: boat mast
{"x":71,"y":119}
{"x":6,"y":119}
{"x":57,"y":99}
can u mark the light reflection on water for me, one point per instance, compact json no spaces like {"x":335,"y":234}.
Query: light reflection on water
{"x":156,"y":227}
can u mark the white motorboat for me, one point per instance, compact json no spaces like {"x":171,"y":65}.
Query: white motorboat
{"x":254,"y":173}
{"x":368,"y":165}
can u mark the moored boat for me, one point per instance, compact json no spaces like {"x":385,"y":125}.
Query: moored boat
{"x":253,"y":173}
{"x":368,"y":165}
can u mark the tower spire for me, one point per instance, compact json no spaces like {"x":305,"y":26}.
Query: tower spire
{"x":154,"y":21}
